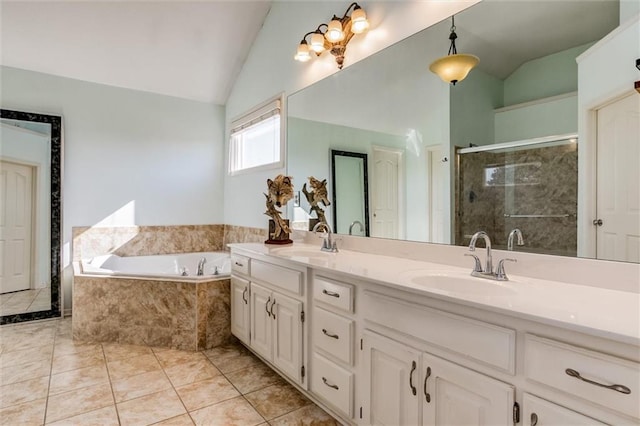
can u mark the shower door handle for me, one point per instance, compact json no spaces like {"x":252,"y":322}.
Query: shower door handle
{"x":598,"y":222}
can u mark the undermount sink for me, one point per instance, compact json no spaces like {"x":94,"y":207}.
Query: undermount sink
{"x":461,"y":284}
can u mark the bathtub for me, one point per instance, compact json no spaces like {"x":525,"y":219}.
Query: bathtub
{"x":176,"y":267}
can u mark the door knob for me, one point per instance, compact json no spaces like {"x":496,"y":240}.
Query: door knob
{"x":598,"y":222}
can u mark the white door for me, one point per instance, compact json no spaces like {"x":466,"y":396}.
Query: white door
{"x":287,"y":339}
{"x":618,"y":190}
{"x":387,"y":168}
{"x":16,"y":226}
{"x":459,"y":396}
{"x":240,"y":326}
{"x":537,"y":411}
{"x":437,"y":196}
{"x":261,"y":322}
{"x":392,"y":380}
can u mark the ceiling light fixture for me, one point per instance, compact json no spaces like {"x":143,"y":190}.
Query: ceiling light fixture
{"x":334,"y":36}
{"x":455,"y":66}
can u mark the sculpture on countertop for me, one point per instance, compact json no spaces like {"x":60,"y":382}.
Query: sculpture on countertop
{"x":280,"y":191}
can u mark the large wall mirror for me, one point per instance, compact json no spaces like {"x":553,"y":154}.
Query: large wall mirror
{"x":496,"y":152}
{"x":30,"y":219}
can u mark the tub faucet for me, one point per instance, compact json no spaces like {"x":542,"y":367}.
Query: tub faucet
{"x":328,"y":244}
{"x":488,"y":270}
{"x":201,"y":263}
{"x":355,"y":222}
{"x":514,"y":233}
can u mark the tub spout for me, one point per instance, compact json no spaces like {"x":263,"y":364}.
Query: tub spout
{"x":201,"y":266}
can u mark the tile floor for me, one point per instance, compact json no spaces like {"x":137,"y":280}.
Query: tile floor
{"x":20,"y":302}
{"x":47,"y":378}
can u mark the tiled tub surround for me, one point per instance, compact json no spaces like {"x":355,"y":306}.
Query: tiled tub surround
{"x":190,"y":315}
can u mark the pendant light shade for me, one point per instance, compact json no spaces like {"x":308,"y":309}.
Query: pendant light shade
{"x":317,"y":42}
{"x":359,"y":22}
{"x":334,"y":31}
{"x":303,"y":54}
{"x":454,"y":68}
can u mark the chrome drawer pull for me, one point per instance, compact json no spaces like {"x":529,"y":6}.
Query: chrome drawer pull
{"x":330,"y":293}
{"x":326,"y":382}
{"x":333,"y":336}
{"x":618,"y":388}
{"x":413,"y":368}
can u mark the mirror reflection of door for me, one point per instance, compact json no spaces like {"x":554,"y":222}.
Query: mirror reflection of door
{"x":618,"y":192}
{"x":350,"y":193}
{"x":386,"y":193}
{"x":16,"y":225}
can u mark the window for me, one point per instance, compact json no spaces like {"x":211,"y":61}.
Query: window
{"x":256,"y":139}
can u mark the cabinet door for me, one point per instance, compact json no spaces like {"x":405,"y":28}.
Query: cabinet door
{"x":287,"y":339}
{"x":460,"y":396}
{"x":537,"y":411}
{"x":240,"y":325}
{"x":261,"y":320}
{"x":391,"y":380}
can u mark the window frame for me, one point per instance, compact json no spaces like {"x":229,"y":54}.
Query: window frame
{"x":276,"y":102}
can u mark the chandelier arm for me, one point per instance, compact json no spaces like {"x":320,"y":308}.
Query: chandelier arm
{"x":349,"y":8}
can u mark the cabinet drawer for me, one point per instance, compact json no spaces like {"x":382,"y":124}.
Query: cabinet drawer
{"x":333,"y":334}
{"x":240,"y":264}
{"x":542,"y":412}
{"x":556,"y":364}
{"x":278,"y":276}
{"x":333,"y":384}
{"x":333,"y":293}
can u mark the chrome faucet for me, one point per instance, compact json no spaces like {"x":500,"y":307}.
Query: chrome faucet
{"x":487,"y":241}
{"x":514,"y":233}
{"x":355,"y":222}
{"x":200,"y":270}
{"x":328,"y":244}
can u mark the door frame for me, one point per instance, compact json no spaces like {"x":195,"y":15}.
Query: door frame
{"x":588,"y":173}
{"x":35,"y":207}
{"x":401,"y":183}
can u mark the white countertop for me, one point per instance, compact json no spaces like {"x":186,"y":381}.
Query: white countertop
{"x":611,"y":314}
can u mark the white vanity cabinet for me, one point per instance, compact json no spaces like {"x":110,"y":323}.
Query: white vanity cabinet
{"x":540,"y":412}
{"x":240,"y":310}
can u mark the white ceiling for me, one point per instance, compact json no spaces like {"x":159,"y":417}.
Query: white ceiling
{"x":187,"y":49}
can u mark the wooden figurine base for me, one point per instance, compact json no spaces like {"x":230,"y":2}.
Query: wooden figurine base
{"x":282,"y":239}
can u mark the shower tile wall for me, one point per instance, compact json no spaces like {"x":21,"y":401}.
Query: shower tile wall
{"x":546,"y":183}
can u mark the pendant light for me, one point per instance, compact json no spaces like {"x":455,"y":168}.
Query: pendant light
{"x":455,"y":66}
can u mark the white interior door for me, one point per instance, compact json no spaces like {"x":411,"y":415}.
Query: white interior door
{"x":437,"y":174}
{"x":618,"y":177}
{"x":386,"y":192}
{"x":16,"y":226}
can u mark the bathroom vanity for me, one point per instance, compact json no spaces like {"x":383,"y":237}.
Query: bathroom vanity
{"x":387,"y":340}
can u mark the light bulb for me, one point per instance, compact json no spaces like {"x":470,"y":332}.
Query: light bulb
{"x":359,"y":22}
{"x":317,"y":42}
{"x":302,"y":54}
{"x":334,"y":31}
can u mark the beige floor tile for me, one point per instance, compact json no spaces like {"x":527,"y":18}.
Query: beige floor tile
{"x":191,"y":372}
{"x":115,"y":351}
{"x":29,"y":340}
{"x":173,"y":357}
{"x":76,"y":379}
{"x":277,"y":400}
{"x":106,"y":416}
{"x":131,"y":366}
{"x":66,"y":346}
{"x":233,"y":412}
{"x":140,"y":385}
{"x":28,"y":413}
{"x":240,"y":362}
{"x":78,"y":401}
{"x":311,"y":415}
{"x":90,"y":358}
{"x":26,"y":371}
{"x":183,"y":420}
{"x":29,"y":390}
{"x":150,"y":408}
{"x":37,"y":353}
{"x":226,"y":352}
{"x":251,"y":379}
{"x":206,"y":392}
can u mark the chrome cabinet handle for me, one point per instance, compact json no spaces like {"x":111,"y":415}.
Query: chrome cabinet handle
{"x":332,"y":386}
{"x":266,"y":306}
{"x":426,"y":378}
{"x":330,"y":293}
{"x":534,"y":419}
{"x":618,"y":388}
{"x":413,"y":368}
{"x":333,"y":336}
{"x":272,"y":304}
{"x":244,"y":294}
